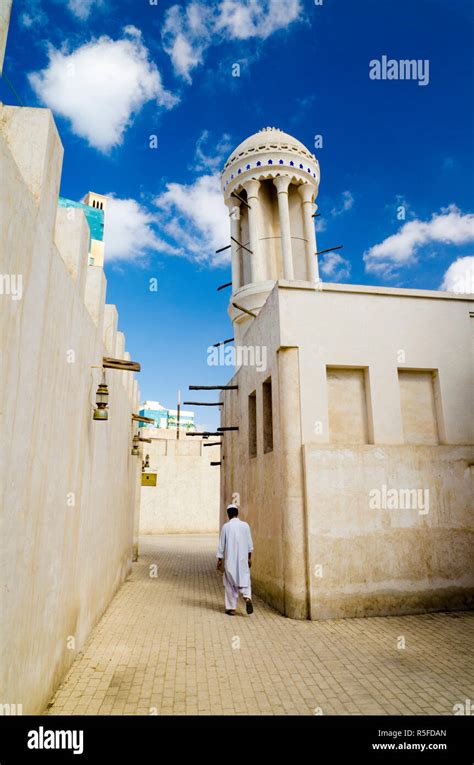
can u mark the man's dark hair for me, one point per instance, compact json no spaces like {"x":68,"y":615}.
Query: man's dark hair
{"x":232,"y":512}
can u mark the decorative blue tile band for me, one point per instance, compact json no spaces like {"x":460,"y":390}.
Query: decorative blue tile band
{"x":270,"y":162}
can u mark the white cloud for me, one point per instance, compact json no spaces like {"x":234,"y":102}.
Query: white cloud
{"x":321,"y":224}
{"x":29,"y":20}
{"x":211,"y":162}
{"x":186,"y":35}
{"x":129,"y":234}
{"x":34,"y":16}
{"x":450,"y":226}
{"x":346,"y":204}
{"x":334,"y":266}
{"x":189,"y":221}
{"x":196,"y":219}
{"x":82,"y":8}
{"x":101,"y":86}
{"x":188,"y":31}
{"x":256,"y":18}
{"x":460,"y":276}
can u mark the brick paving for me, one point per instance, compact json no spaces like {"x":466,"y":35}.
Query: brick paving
{"x":164,"y":646}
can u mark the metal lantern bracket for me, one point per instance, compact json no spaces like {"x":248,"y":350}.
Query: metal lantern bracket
{"x":139,"y":418}
{"x":331,"y":249}
{"x":121,"y":364}
{"x":202,"y":403}
{"x":223,"y":342}
{"x":213,"y":387}
{"x":244,"y":310}
{"x":204,"y":434}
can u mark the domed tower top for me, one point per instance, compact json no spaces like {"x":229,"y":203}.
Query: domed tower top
{"x":269,"y":183}
{"x":265,"y":155}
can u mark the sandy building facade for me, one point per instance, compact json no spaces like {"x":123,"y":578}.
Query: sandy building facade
{"x":353,"y":460}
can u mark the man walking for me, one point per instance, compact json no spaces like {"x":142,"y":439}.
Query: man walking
{"x":236,"y":545}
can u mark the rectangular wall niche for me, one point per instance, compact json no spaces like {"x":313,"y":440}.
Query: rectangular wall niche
{"x":347,"y":403}
{"x":267,"y":416}
{"x":418,"y":404}
{"x":253,"y":425}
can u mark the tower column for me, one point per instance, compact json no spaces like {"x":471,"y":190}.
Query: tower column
{"x":234,"y":215}
{"x":282,"y":183}
{"x":306,"y":193}
{"x":252,"y":188}
{"x":291,"y":487}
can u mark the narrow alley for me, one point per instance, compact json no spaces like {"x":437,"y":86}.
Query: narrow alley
{"x":164,"y":646}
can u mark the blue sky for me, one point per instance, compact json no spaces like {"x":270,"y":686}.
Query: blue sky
{"x":118,"y":73}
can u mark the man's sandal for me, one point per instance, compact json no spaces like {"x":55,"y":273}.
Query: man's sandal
{"x":248,"y":605}
{"x":230,"y":612}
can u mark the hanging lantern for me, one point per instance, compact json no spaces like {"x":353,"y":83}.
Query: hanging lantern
{"x":101,"y":400}
{"x":135,"y":446}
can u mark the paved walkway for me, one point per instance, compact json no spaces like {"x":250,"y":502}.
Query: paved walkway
{"x":164,"y":646}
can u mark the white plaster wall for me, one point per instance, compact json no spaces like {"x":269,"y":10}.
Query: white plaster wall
{"x":381,"y":562}
{"x":5,"y":9}
{"x":258,"y":480}
{"x":186,"y":497}
{"x":346,"y":325}
{"x":68,"y":490}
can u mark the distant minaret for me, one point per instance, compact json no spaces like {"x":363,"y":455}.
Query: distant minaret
{"x":5,"y":8}
{"x":96,"y":220}
{"x":95,"y":200}
{"x":94,"y":207}
{"x":96,"y":223}
{"x":269,"y":184}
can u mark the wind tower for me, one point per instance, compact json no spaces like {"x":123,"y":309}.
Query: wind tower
{"x":270,"y":183}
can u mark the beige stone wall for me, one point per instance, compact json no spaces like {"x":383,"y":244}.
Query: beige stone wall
{"x":185,"y":499}
{"x":291,"y":494}
{"x":68,"y":491}
{"x":407,"y":554}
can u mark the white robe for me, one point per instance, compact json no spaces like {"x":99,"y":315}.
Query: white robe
{"x":235,"y":544}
